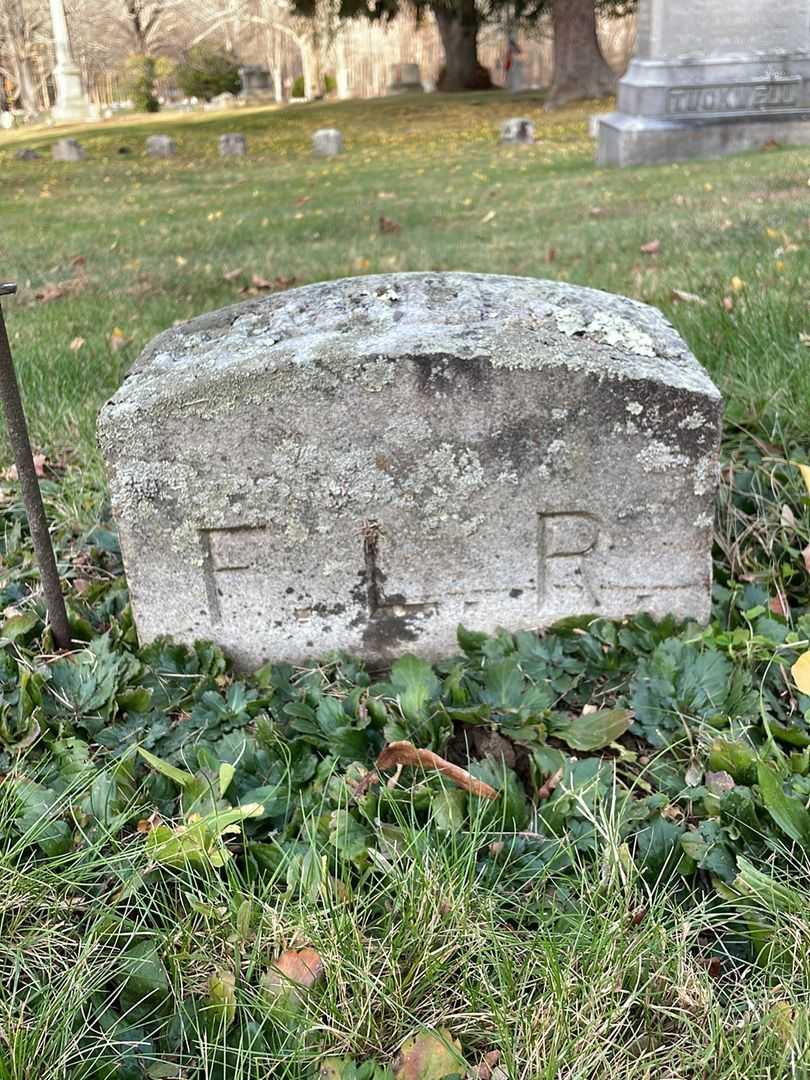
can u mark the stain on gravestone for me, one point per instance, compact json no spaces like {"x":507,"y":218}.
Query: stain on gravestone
{"x":711,"y":78}
{"x":364,"y":464}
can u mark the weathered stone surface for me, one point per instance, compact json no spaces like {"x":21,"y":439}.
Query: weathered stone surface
{"x":232,"y":145}
{"x":517,"y":130}
{"x":68,"y":150}
{"x":405,"y":79}
{"x":26,"y":154}
{"x":327,"y":142}
{"x":161,"y":146}
{"x":711,"y":78}
{"x":364,"y":464}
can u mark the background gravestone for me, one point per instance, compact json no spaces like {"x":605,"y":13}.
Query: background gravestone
{"x":711,"y":78}
{"x":68,"y":150}
{"x":327,"y":142}
{"x":517,"y":130}
{"x":405,"y":79}
{"x":232,"y":144}
{"x":367,"y":463}
{"x":162,"y":146}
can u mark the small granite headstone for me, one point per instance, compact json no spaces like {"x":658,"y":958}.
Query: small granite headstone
{"x":327,"y":142}
{"x":26,"y":154}
{"x":254,"y":79}
{"x":367,"y":463}
{"x":162,"y":146}
{"x":517,"y":130}
{"x":232,"y":145}
{"x":711,"y":78}
{"x":405,"y":79}
{"x":225,"y":100}
{"x":68,"y":150}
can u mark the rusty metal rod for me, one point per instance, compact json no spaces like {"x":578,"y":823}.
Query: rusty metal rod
{"x":29,"y":486}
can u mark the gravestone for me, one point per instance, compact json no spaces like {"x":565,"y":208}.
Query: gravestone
{"x":68,"y":150}
{"x":26,"y":154}
{"x":162,"y":146}
{"x":232,"y":145}
{"x":405,"y":79}
{"x":711,"y":78}
{"x":517,"y":130}
{"x":225,"y":100}
{"x":327,"y":142}
{"x":367,"y":463}
{"x":254,"y":79}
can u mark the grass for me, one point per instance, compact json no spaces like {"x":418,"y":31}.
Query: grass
{"x":158,"y":237}
{"x":599,"y":971}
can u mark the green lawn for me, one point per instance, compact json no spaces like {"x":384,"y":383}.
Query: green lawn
{"x":637,"y":910}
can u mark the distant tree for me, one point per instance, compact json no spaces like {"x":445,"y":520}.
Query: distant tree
{"x":205,"y":72}
{"x":580,"y":69}
{"x":139,"y":81}
{"x":22,"y":23}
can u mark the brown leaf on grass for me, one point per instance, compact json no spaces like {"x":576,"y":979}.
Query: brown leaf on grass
{"x":387,"y":225}
{"x":302,"y":199}
{"x":598,"y":211}
{"x":678,"y":296}
{"x":548,"y":787}
{"x":40,"y":460}
{"x":806,"y":557}
{"x":259,"y":284}
{"x":550,"y":255}
{"x":54,"y":290}
{"x":650,"y":248}
{"x":779,"y":606}
{"x":487,"y":1067}
{"x":145,"y":825}
{"x":78,"y":262}
{"x":728,"y":303}
{"x":405,"y":753}
{"x":429,"y":1055}
{"x":303,"y":967}
{"x":76,"y":344}
{"x":232,"y":275}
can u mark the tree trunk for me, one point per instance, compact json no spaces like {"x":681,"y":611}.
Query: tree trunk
{"x":26,"y":86}
{"x":458,"y":24}
{"x":580,"y":70}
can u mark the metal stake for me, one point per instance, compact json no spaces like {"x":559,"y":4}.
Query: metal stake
{"x":29,"y":485}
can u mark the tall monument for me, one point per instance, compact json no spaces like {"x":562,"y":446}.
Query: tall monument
{"x":71,"y":100}
{"x":711,"y":77}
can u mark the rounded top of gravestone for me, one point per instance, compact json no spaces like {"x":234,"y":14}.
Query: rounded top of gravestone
{"x":359,"y":329}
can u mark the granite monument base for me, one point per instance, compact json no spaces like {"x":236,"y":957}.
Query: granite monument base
{"x":642,"y":140}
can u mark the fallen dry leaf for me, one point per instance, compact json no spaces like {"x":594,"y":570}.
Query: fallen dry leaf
{"x":302,"y":199}
{"x":429,"y":1055}
{"x":39,"y":468}
{"x":259,"y":282}
{"x":387,"y":225}
{"x":145,"y":825}
{"x":405,"y":753}
{"x":728,"y":303}
{"x":801,"y":673}
{"x":597,"y":211}
{"x":678,"y":296}
{"x":787,"y":517}
{"x":490,"y":214}
{"x":53,"y":290}
{"x":805,"y":471}
{"x":78,"y":261}
{"x":232,"y":275}
{"x":548,"y":787}
{"x":484,"y":1070}
{"x":550,"y":255}
{"x":806,"y":557}
{"x":778,"y":606}
{"x":77,"y":343}
{"x":301,"y":966}
{"x":651,"y":248}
